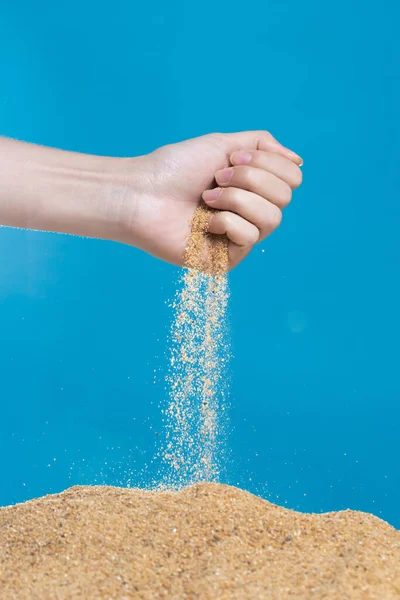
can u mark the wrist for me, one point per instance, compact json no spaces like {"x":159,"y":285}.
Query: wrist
{"x":93,"y":190}
{"x":100,"y":186}
{"x":130,"y":180}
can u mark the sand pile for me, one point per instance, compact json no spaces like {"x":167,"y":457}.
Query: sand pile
{"x":209,"y":541}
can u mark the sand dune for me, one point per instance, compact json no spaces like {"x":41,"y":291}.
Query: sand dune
{"x":209,"y":541}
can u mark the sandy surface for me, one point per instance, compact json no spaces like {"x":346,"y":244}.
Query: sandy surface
{"x":209,"y":541}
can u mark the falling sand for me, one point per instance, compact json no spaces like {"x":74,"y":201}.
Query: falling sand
{"x":195,"y":419}
{"x":206,"y":542}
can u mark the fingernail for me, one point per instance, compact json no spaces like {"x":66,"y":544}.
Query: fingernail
{"x":295,"y":157}
{"x":211,"y":195}
{"x":224,"y":176}
{"x":241,"y":158}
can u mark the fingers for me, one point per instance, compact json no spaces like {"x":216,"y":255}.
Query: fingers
{"x":264,"y":215}
{"x":239,"y":231}
{"x":260,"y":182}
{"x":260,"y":140}
{"x":283,"y":168}
{"x":252,"y":193}
{"x":268,"y":145}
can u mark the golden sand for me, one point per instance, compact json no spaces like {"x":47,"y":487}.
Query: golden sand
{"x":193,"y":444}
{"x":206,"y":252}
{"x":206,"y":542}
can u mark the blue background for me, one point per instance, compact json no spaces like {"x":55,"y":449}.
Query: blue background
{"x":315,"y":317}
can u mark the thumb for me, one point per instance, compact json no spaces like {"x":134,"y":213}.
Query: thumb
{"x":259,"y":140}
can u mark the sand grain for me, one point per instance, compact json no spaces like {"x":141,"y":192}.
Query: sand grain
{"x":208,"y":541}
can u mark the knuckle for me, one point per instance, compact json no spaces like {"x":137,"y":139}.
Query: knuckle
{"x":268,"y":135}
{"x":252,"y":236}
{"x":232,"y":195}
{"x":297,"y":177}
{"x":275,"y":218}
{"x":228,"y":220}
{"x":246,"y":174}
{"x":285,"y":194}
{"x":217,"y":138}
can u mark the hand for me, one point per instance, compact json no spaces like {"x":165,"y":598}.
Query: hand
{"x":173,"y":180}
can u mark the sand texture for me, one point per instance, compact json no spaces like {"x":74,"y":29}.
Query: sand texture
{"x":208,"y":541}
{"x":205,"y":251}
{"x":195,"y":421}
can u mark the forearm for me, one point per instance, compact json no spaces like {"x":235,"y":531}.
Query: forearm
{"x":54,"y":190}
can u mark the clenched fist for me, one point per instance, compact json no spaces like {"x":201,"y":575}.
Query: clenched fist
{"x":248,"y":177}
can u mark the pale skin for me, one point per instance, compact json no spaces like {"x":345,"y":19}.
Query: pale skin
{"x":148,"y":201}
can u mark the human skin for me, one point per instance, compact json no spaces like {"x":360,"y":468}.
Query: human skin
{"x":148,"y":201}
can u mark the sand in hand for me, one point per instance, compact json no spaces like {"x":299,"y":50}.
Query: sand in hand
{"x":208,"y":541}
